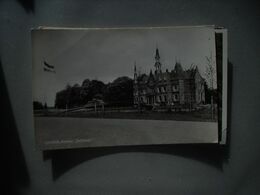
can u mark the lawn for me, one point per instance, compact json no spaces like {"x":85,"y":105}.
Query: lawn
{"x":198,"y":115}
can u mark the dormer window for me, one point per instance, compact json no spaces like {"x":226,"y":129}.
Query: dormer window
{"x":175,"y":97}
{"x":162,"y":89}
{"x":163,"y":100}
{"x":175,"y":88}
{"x":159,"y":98}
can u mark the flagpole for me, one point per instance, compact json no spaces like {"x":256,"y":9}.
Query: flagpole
{"x":48,"y":69}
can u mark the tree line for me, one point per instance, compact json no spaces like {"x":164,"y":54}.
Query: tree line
{"x":117,"y":93}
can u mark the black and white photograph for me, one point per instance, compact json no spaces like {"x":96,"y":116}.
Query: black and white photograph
{"x":130,"y":96}
{"x":95,"y":87}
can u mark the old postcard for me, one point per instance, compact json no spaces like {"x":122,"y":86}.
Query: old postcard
{"x":96,"y":87}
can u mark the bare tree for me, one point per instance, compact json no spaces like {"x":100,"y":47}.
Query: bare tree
{"x":211,"y":79}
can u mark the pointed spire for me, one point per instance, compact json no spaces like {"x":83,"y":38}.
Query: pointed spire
{"x":157,"y":55}
{"x":151,"y":72}
{"x":135,"y":73}
{"x":178,"y":68}
{"x":157,"y":60}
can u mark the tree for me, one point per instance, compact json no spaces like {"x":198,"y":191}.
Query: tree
{"x":37,"y":105}
{"x":210,"y":72}
{"x":91,"y":89}
{"x":45,"y":105}
{"x":62,"y":97}
{"x":68,"y":97}
{"x":74,"y":96}
{"x":119,"y":92}
{"x":211,"y":79}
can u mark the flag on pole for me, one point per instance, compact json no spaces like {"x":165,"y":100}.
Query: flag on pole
{"x":48,"y":68}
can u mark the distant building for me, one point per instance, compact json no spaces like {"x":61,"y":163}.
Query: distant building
{"x":177,"y":89}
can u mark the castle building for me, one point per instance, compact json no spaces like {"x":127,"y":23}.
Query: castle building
{"x":176,"y":89}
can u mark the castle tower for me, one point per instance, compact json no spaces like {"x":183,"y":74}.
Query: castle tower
{"x":157,"y":61}
{"x":135,"y":73}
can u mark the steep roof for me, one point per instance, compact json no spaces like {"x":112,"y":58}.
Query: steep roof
{"x":142,"y":78}
{"x":176,"y":73}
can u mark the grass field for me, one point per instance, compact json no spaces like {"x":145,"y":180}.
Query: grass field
{"x":68,"y":132}
{"x":198,"y":115}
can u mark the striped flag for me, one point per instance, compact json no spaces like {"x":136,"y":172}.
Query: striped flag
{"x":48,"y":68}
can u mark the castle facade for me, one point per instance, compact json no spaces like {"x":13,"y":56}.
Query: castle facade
{"x":176,"y":89}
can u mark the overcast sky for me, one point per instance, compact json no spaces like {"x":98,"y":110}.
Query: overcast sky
{"x":109,"y":53}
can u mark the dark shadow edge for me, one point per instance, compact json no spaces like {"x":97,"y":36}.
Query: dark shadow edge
{"x":17,"y":171}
